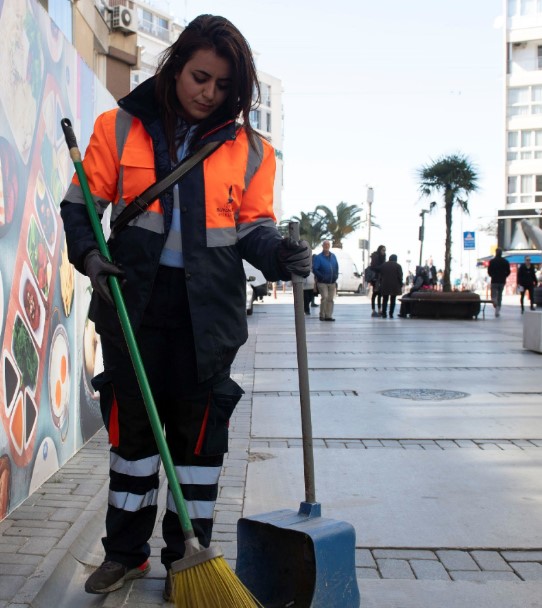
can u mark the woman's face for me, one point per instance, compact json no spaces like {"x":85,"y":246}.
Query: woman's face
{"x":203,"y":85}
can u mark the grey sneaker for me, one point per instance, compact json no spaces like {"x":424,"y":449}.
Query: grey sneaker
{"x":111,"y":576}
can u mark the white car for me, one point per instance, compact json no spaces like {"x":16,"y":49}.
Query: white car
{"x":256,"y":285}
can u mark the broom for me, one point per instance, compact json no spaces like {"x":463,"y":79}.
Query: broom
{"x":202,"y":577}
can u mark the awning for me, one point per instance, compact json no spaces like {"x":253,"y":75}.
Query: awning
{"x":519,"y":258}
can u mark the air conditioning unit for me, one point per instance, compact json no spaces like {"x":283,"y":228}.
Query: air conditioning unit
{"x":124,"y":19}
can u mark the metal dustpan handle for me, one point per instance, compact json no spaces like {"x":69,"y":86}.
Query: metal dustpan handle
{"x":310,"y":507}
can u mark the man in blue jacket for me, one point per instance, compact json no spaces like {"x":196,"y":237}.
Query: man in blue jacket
{"x":326,"y":272}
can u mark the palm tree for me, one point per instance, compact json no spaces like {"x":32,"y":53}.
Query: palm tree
{"x":341,"y":225}
{"x":311,"y":227}
{"x":455,"y":177}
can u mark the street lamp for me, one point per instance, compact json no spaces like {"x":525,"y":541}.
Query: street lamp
{"x":370,"y":198}
{"x":422,"y":227}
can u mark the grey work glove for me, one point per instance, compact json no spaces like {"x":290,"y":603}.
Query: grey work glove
{"x":97,"y":269}
{"x":294,"y":257}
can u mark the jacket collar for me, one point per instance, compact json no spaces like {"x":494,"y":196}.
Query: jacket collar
{"x":141,"y":103}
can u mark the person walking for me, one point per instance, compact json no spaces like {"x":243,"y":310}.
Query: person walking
{"x":378,"y":257}
{"x":527,"y":281}
{"x":498,"y":269}
{"x":308,"y":292}
{"x":391,"y":284}
{"x":188,"y":320}
{"x":326,"y":272}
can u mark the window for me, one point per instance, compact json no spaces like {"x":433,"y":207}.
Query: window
{"x":525,"y":144}
{"x":268,"y":122}
{"x":512,"y":184}
{"x":255,"y":120}
{"x":525,"y":189}
{"x":523,"y":101}
{"x":539,"y":63}
{"x":527,"y":7}
{"x":266,"y":94}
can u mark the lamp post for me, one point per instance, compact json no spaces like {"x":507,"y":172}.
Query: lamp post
{"x":370,"y":198}
{"x":422,"y":227}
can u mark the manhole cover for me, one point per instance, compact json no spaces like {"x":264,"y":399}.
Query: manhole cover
{"x":424,"y":394}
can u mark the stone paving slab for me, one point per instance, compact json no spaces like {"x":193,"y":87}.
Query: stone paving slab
{"x":334,"y":357}
{"x":397,"y":498}
{"x":381,"y":377}
{"x":376,"y":416}
{"x":430,"y":594}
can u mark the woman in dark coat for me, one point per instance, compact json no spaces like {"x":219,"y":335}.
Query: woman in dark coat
{"x":527,"y":282}
{"x":391,"y":284}
{"x":378,"y":257}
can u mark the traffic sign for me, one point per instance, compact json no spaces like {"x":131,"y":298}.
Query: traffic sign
{"x":469,"y":240}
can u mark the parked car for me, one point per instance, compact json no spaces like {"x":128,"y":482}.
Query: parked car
{"x":256,"y":285}
{"x":350,"y":279}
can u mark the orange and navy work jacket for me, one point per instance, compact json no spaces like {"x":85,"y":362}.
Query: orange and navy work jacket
{"x":226,"y":206}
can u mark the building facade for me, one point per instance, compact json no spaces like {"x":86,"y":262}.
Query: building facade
{"x":523,"y":164}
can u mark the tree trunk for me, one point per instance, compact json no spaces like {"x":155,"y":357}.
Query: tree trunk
{"x":448,"y":205}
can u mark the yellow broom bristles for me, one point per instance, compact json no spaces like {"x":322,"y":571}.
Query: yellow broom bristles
{"x":211,"y":584}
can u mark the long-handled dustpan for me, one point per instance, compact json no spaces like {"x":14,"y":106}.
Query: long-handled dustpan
{"x":298,"y":558}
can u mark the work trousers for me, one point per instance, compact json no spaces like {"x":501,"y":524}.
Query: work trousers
{"x":327,"y":293}
{"x":195,"y":418}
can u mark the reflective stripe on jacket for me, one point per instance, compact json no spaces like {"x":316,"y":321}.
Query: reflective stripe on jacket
{"x":226,"y":206}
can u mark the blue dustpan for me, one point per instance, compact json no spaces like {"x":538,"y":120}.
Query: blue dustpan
{"x":299,"y":559}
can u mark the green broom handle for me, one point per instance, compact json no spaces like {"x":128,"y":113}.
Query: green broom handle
{"x":133,"y":349}
{"x":303,"y":374}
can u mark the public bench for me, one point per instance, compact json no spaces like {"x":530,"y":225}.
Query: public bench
{"x":432,"y":304}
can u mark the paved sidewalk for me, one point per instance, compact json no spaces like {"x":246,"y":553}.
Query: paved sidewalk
{"x":428,"y":438}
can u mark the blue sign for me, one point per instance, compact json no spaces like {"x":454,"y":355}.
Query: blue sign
{"x":469,"y":240}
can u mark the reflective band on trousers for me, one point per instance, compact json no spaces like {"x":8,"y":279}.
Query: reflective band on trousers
{"x":198,"y":476}
{"x":197,"y":509}
{"x":132,"y":502}
{"x":135,"y":468}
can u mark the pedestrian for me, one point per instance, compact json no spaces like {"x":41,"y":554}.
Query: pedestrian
{"x":315,"y":289}
{"x":498,"y":269}
{"x":378,"y":257}
{"x":308,"y":292}
{"x":184,"y":283}
{"x":527,"y":281}
{"x":391,"y":284}
{"x":326,"y":272}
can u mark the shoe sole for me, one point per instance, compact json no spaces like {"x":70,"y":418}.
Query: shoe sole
{"x":129,"y":576}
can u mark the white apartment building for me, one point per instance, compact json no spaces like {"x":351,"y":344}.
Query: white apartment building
{"x":523,"y":165}
{"x":157,"y":29}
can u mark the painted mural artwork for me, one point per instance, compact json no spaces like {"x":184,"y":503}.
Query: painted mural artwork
{"x":49,"y":350}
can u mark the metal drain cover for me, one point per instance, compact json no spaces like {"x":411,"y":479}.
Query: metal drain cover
{"x":424,"y":394}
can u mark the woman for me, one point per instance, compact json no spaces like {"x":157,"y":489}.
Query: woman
{"x":527,"y":281}
{"x":184,"y":283}
{"x":391,"y":284}
{"x":378,"y":257}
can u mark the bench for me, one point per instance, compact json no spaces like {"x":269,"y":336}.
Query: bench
{"x":440,"y":304}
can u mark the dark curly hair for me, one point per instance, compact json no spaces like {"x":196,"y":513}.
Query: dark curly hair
{"x":209,"y":32}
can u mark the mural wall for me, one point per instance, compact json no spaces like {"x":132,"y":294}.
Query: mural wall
{"x":48,"y":348}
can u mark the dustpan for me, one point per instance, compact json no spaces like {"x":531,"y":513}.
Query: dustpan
{"x":299,"y":559}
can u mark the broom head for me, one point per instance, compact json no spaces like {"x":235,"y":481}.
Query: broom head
{"x":205,"y":579}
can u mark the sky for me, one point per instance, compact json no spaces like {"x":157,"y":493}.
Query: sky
{"x":374,"y":90}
